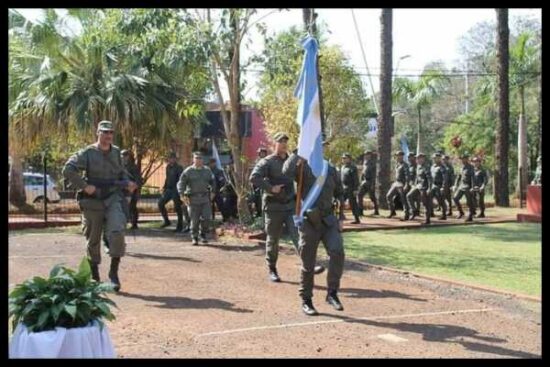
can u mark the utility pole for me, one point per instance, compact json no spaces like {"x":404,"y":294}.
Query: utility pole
{"x":467,"y":88}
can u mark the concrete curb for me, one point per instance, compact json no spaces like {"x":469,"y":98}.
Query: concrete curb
{"x":421,"y":225}
{"x":453,"y":282}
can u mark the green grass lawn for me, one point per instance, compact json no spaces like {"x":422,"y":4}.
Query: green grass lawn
{"x":505,"y":256}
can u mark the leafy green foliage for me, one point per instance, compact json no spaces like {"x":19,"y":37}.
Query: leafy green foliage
{"x":67,"y":298}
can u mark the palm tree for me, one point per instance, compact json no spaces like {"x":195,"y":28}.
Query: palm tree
{"x":503,"y":124}
{"x":384,"y":124}
{"x":420,"y":94}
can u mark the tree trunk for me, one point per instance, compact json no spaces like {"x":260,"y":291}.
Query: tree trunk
{"x":384,"y":120}
{"x":16,"y":188}
{"x":418,"y":147}
{"x":503,"y":124}
{"x":239,"y":164}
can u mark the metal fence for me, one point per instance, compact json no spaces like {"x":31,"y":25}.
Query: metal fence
{"x":61,"y":204}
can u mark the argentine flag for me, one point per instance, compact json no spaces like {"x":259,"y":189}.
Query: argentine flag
{"x":310,"y":142}
{"x":216,"y":156}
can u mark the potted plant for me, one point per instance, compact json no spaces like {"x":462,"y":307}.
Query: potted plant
{"x":61,"y":316}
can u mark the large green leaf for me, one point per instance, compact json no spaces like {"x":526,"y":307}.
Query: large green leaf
{"x":71,"y":310}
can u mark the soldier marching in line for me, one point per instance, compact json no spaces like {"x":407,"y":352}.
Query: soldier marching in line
{"x":421,"y":188}
{"x":350,"y":182}
{"x":218,"y":203}
{"x":463,"y":185}
{"x":439,"y":177}
{"x":197,"y":185}
{"x":478,"y":191}
{"x":449,"y":182}
{"x":415,"y":208}
{"x":101,"y":198}
{"x":368,"y":181}
{"x":170,"y":192}
{"x":397,"y":188}
{"x":278,"y":202}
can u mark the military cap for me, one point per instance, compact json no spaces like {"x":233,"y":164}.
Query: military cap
{"x":420,"y":155}
{"x":261,"y":149}
{"x":346,"y":155}
{"x":476,"y":159}
{"x":437,"y":154}
{"x":464,"y":155}
{"x":105,"y":126}
{"x":411,"y":154}
{"x":197,"y":155}
{"x":280,"y":136}
{"x":399,"y":152}
{"x":367,"y":152}
{"x":124,"y":152}
{"x":172,"y":155}
{"x":446,"y":157}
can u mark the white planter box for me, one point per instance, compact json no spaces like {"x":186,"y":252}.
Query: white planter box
{"x":83,"y":342}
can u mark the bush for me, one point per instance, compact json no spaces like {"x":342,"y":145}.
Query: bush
{"x":66,"y":299}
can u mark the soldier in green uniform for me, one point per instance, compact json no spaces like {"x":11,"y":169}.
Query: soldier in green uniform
{"x":320,"y":224}
{"x":101,"y":198}
{"x":350,"y":181}
{"x":219,"y":175}
{"x":447,"y":192}
{"x":130,"y":166}
{"x":198,"y":186}
{"x":415,"y":208}
{"x":278,"y":202}
{"x":397,"y":188}
{"x":421,"y":187}
{"x":170,"y":192}
{"x":463,"y":184}
{"x":478,"y":191}
{"x":439,"y":177}
{"x":368,"y":180}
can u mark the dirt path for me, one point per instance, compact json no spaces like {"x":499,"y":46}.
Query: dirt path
{"x":215,"y":301}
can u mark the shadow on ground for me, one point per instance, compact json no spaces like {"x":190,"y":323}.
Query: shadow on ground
{"x":160,"y":257}
{"x":185,"y":302}
{"x":443,"y":333}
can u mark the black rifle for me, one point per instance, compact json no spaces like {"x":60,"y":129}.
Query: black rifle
{"x":103,"y":187}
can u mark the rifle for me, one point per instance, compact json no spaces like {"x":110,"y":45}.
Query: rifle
{"x":103,"y":187}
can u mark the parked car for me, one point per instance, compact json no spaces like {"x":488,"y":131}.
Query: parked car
{"x":34,"y":188}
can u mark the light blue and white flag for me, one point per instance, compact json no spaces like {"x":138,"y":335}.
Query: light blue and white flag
{"x":310,"y":145}
{"x":216,"y":156}
{"x":404,"y":145}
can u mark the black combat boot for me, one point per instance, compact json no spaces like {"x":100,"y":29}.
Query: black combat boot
{"x":113,"y":272}
{"x":470,"y":217}
{"x":392,"y":214}
{"x":166,"y":224}
{"x":203,"y":238}
{"x":332,"y":299}
{"x":95,"y":271}
{"x":195,"y":241}
{"x":356,"y":221}
{"x":481,"y":214}
{"x":413,"y":215}
{"x":443,"y":216}
{"x":273,"y":276}
{"x":460,"y":214}
{"x":307,"y":307}
{"x":318,"y":269}
{"x":406,"y":217}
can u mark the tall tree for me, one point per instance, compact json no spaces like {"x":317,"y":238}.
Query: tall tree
{"x":502,"y":144}
{"x":420,"y":94}
{"x":384,"y":120}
